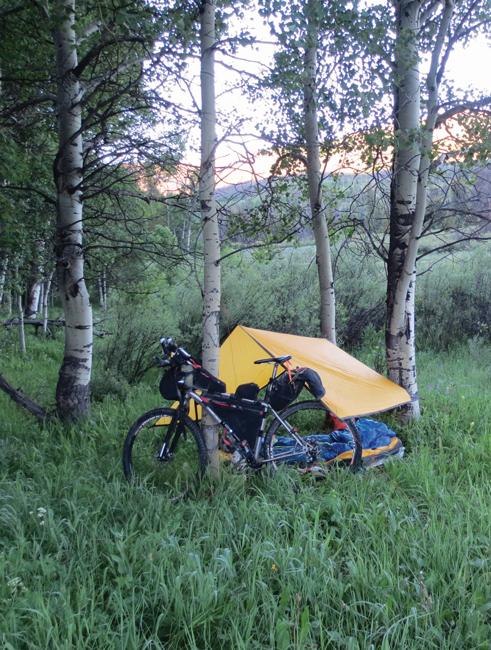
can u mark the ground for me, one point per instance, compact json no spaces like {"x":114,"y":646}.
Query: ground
{"x":397,"y":557}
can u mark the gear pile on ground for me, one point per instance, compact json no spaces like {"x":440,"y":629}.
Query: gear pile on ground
{"x":379,"y":444}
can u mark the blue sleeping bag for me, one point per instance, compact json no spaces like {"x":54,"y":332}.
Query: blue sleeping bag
{"x":379,"y":443}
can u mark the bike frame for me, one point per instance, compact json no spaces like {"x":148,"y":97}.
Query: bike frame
{"x":305,"y":447}
{"x":176,"y":426}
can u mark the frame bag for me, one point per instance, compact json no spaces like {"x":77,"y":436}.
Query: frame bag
{"x":243,"y":416}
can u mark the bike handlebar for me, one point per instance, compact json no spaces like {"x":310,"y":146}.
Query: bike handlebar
{"x":172,"y":353}
{"x":168,"y":345}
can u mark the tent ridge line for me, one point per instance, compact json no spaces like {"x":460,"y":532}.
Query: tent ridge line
{"x":256,"y":341}
{"x":377,"y":391}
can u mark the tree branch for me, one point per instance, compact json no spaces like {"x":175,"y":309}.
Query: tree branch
{"x":96,"y":50}
{"x":452,"y":244}
{"x":22,"y":400}
{"x":473,"y":106}
{"x":27,"y":188}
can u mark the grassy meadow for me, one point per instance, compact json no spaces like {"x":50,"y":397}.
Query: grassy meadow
{"x":397,"y":557}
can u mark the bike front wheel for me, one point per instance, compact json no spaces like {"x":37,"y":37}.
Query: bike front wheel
{"x":164,"y":452}
{"x":309,"y":419}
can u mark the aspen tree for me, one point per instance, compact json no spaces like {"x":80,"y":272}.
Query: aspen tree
{"x":209,"y":216}
{"x":436,"y":28}
{"x":314,"y":176}
{"x":73,"y":387}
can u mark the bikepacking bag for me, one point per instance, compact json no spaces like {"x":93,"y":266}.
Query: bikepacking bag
{"x":201,"y":380}
{"x":241,"y":415}
{"x":204,"y":380}
{"x":247,"y":391}
{"x":168,"y":384}
{"x":288,"y":386}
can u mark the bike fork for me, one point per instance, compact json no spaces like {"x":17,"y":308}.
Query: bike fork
{"x":169,"y":444}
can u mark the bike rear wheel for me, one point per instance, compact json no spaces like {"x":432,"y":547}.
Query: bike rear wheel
{"x":308,"y":418}
{"x":162,"y":453}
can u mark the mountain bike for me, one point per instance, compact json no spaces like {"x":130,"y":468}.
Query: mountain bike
{"x":165,"y":447}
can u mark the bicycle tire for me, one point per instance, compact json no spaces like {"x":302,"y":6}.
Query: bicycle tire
{"x":307,"y":417}
{"x":143,"y":441}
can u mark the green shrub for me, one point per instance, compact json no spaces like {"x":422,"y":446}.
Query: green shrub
{"x":453,"y":301}
{"x":282,"y":294}
{"x":453,"y":304}
{"x":135,"y":329}
{"x":106,"y":382}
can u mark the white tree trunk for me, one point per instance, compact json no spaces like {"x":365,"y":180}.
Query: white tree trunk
{"x":101,"y":291}
{"x":39,"y":306}
{"x":400,"y":300}
{"x":22,"y":334}
{"x":188,"y":240}
{"x":32,"y":299}
{"x":209,"y":216}
{"x":401,"y":360}
{"x":47,"y":289}
{"x":34,"y":289}
{"x":3,"y":276}
{"x":409,"y":190}
{"x":73,"y":388}
{"x":314,"y":178}
{"x":104,"y":289}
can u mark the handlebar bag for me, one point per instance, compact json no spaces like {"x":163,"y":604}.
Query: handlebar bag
{"x":202,"y":380}
{"x":168,"y":384}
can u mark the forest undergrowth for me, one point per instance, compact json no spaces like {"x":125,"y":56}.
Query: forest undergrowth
{"x":397,"y":557}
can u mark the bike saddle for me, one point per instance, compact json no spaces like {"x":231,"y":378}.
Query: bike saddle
{"x":287,"y":357}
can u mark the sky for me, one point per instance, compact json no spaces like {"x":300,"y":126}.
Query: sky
{"x":468,"y":68}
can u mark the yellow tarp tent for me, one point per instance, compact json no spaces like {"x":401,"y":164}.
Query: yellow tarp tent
{"x":352,"y":388}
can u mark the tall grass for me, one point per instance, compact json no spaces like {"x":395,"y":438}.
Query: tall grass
{"x":394,"y":558}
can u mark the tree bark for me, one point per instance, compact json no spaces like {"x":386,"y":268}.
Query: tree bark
{"x":73,"y":388}
{"x":9,"y":303}
{"x":401,"y":361}
{"x":47,"y":289}
{"x":104,"y":289}
{"x":33,"y":299}
{"x":22,"y":332}
{"x":101,"y":291}
{"x":314,"y":179}
{"x":34,"y":290}
{"x":209,"y":216}
{"x":41,"y":297}
{"x":3,"y":276}
{"x":409,"y":188}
